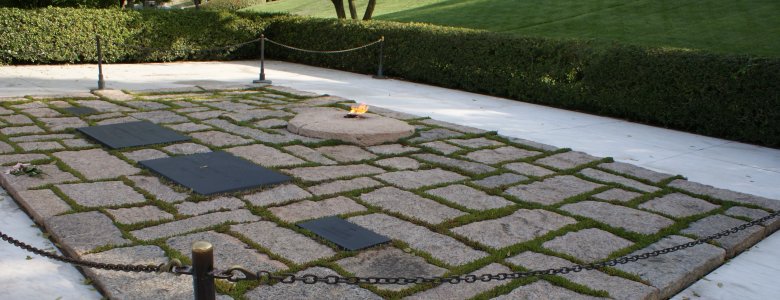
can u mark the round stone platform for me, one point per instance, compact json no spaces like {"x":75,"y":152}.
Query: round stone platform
{"x":367,"y":130}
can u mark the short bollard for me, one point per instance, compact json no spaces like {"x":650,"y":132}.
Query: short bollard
{"x":202,"y":264}
{"x":262,"y":79}
{"x":101,"y":82}
{"x":379,"y":71}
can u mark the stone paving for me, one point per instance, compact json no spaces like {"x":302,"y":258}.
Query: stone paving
{"x":454,"y":200}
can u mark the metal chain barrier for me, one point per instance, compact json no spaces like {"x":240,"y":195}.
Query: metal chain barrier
{"x":172,"y":266}
{"x":326,"y":51}
{"x":237,"y":273}
{"x":149,"y":49}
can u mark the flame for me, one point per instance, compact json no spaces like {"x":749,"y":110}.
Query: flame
{"x":358,"y":109}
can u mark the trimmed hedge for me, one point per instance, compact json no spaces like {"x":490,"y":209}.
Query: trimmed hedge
{"x":728,"y":96}
{"x":62,"y":35}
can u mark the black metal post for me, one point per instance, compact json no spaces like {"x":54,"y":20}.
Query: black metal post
{"x":379,"y":71}
{"x":101,"y":82}
{"x":202,"y":264}
{"x":262,"y":62}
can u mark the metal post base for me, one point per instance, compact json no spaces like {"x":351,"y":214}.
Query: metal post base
{"x":261,"y":81}
{"x":379,"y":77}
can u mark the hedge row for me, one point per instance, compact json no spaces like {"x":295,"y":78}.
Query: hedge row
{"x":728,"y":96}
{"x":63,"y":35}
{"x":734,"y":97}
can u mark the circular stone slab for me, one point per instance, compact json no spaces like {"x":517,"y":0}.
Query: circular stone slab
{"x":368,"y":130}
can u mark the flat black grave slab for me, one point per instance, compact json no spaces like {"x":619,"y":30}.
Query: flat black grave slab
{"x":214,"y":172}
{"x":345,"y":234}
{"x":123,"y":135}
{"x":80,"y":110}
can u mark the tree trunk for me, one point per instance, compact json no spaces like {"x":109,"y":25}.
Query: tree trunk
{"x":352,"y":9}
{"x":369,"y":10}
{"x":122,"y":3}
{"x":339,"y":5}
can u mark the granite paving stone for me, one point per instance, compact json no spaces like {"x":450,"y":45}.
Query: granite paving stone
{"x":333,"y":172}
{"x":59,"y":104}
{"x":302,"y":291}
{"x":42,"y":204}
{"x":284,"y":242}
{"x":439,"y":246}
{"x":702,"y":189}
{"x":469,"y":197}
{"x":194,"y":223}
{"x":40,"y":146}
{"x":552,"y":190}
{"x":203,"y":115}
{"x":146,"y":105}
{"x":103,"y":106}
{"x":306,"y":209}
{"x":229,"y":251}
{"x":250,"y":132}
{"x":96,"y":164}
{"x":282,"y":135}
{"x":500,"y":180}
{"x":344,"y":153}
{"x":674,"y":271}
{"x":421,"y":178}
{"x":77,"y":143}
{"x":389,"y":262}
{"x":391,"y":149}
{"x":256,"y":114}
{"x":466,"y":166}
{"x":82,"y":232}
{"x":678,"y":205}
{"x":28,"y":105}
{"x":753,"y":214}
{"x":499,"y":155}
{"x":17,"y":119}
{"x":41,"y":137}
{"x":116,"y":95}
{"x":188,"y":127}
{"x":521,"y":226}
{"x":53,"y":175}
{"x":186,"y":148}
{"x":398,"y":163}
{"x":219,"y":138}
{"x":104,"y":116}
{"x":410,"y":205}
{"x":589,"y":245}
{"x":340,"y":186}
{"x":435,"y":134}
{"x":4,"y":111}
{"x":476,"y":143}
{"x":607,"y":177}
{"x":464,"y":291}
{"x":277,"y":195}
{"x":635,"y":171}
{"x":453,"y":126}
{"x":43,"y":112}
{"x":21,"y":130}
{"x":99,"y":194}
{"x":265,"y":156}
{"x":619,"y":216}
{"x":159,"y":117}
{"x":132,"y":285}
{"x":442,"y":147}
{"x":202,"y":207}
{"x":134,"y":215}
{"x":735,"y":242}
{"x":10,"y":159}
{"x":230,"y":106}
{"x":154,"y":186}
{"x":5,"y":147}
{"x":616,"y":194}
{"x":144,"y":154}
{"x":117,"y":121}
{"x":270,"y":123}
{"x":184,"y":104}
{"x":528,"y":169}
{"x":567,"y":160}
{"x":617,"y":287}
{"x":60,"y":124}
{"x":544,"y":290}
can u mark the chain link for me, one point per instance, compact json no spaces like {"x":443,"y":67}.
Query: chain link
{"x":172,"y":266}
{"x":325,"y":51}
{"x":149,"y":49}
{"x":237,"y":273}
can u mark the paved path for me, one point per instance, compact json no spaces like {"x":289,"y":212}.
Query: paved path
{"x":546,"y":125}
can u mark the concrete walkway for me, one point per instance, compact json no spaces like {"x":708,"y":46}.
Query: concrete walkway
{"x":721,"y":163}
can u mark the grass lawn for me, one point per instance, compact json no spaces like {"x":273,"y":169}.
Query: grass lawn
{"x":748,"y":26}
